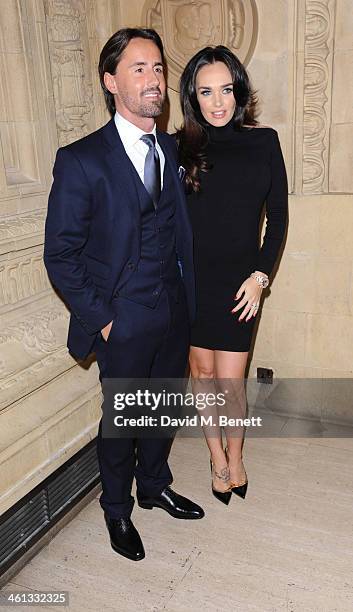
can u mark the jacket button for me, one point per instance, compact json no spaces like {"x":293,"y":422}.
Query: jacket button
{"x":155,"y":292}
{"x":130,"y":265}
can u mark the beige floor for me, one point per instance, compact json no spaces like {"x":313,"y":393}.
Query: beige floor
{"x":287,"y":547}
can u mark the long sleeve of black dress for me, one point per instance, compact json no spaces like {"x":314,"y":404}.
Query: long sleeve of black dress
{"x":276,"y":209}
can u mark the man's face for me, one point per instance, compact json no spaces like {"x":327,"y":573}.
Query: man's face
{"x":138,"y":84}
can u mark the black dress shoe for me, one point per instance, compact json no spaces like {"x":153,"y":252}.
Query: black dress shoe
{"x":125,"y":538}
{"x":173,"y":503}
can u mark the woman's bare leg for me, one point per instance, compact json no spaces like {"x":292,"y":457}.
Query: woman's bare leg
{"x":229,"y":367}
{"x":203,"y":372}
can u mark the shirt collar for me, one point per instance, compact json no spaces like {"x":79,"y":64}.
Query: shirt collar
{"x":129,"y":133}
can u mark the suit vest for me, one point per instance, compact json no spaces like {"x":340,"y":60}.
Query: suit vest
{"x":157,"y":268}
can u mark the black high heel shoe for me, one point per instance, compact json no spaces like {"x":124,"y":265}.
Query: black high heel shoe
{"x":239,"y":489}
{"x":222,"y":496}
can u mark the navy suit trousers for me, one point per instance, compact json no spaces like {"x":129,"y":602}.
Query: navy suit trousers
{"x":143,"y":342}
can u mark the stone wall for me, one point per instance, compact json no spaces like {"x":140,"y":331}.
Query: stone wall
{"x":299,"y":54}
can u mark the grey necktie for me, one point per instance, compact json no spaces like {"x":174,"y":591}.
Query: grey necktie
{"x":152,"y":171}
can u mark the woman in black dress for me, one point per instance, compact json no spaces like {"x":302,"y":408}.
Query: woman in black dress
{"x":233,"y":167}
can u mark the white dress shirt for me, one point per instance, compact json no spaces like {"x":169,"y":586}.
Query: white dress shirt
{"x":135,"y":148}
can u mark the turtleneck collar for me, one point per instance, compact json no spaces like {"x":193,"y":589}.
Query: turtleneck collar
{"x":221,"y":133}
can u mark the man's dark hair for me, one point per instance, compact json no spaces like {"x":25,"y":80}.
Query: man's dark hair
{"x":112,"y":52}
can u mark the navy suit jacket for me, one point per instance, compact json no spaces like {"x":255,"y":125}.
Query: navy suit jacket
{"x":92,"y":233}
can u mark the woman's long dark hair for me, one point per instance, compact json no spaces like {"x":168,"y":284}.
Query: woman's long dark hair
{"x":192,"y":136}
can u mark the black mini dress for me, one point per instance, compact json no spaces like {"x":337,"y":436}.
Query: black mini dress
{"x":247,"y":172}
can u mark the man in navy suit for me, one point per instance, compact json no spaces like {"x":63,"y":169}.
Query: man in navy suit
{"x":118,"y":247}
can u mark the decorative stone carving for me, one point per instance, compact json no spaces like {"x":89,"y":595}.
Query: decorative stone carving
{"x":34,"y":333}
{"x":24,"y":227}
{"x":319,"y":24}
{"x":18,"y":141}
{"x":187,"y":27}
{"x":12,"y":227}
{"x":102,"y":19}
{"x":22,"y":279}
{"x":69,"y":56}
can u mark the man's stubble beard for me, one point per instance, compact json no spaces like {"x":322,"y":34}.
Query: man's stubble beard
{"x":152,"y":109}
{"x":143,"y":109}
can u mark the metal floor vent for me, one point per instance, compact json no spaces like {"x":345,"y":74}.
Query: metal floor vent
{"x":31,"y":517}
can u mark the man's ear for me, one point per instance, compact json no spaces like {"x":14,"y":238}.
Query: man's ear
{"x":110,"y":83}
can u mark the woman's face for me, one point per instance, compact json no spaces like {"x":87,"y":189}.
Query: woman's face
{"x":214,"y":89}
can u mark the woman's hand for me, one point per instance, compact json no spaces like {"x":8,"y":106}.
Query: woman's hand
{"x":251,"y":299}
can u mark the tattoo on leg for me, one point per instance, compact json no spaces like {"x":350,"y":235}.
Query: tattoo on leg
{"x":224,"y":474}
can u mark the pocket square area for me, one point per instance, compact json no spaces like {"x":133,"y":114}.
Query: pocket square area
{"x":181,"y":172}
